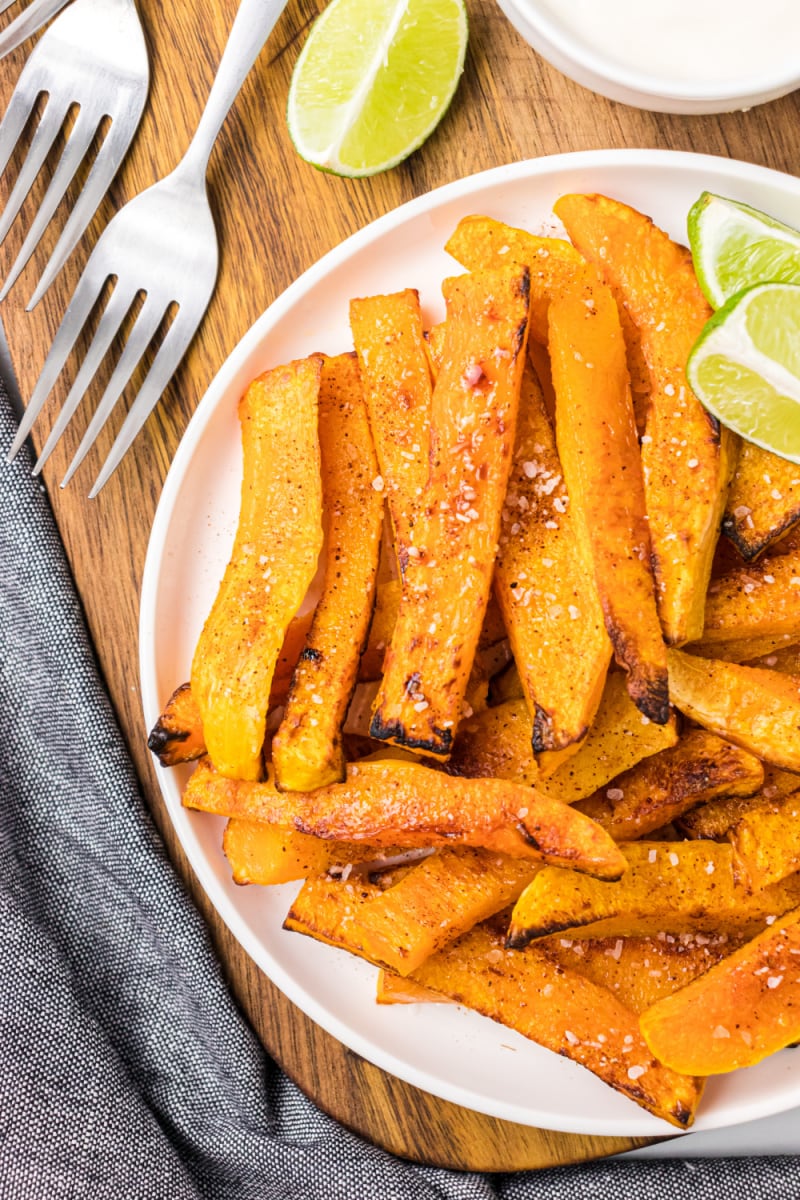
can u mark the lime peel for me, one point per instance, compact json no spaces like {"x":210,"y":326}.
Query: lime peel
{"x":373,"y":80}
{"x":742,"y":367}
{"x":735,"y":247}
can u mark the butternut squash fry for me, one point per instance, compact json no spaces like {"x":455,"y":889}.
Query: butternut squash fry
{"x":714,"y":819}
{"x":546,"y":593}
{"x":687,"y":458}
{"x":480,"y":243}
{"x":449,"y":570}
{"x":665,"y":786}
{"x":753,"y":602}
{"x":562,"y":1011}
{"x":671,"y":887}
{"x":270,"y":854}
{"x":740,"y":1011}
{"x":434,"y":903}
{"x":496,"y":743}
{"x":763,"y":501}
{"x":756,"y":709}
{"x":307,"y":747}
{"x":274,"y":560}
{"x":391,"y":988}
{"x":641,"y":970}
{"x":177,"y":735}
{"x":766,"y":841}
{"x":743,"y":650}
{"x":599,"y":453}
{"x":389,"y":340}
{"x":402,"y":803}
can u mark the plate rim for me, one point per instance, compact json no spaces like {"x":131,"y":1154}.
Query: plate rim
{"x":641,"y":1123}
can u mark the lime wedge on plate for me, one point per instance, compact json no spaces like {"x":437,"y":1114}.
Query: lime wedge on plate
{"x":373,"y":80}
{"x":735,"y":246}
{"x":745,"y":367}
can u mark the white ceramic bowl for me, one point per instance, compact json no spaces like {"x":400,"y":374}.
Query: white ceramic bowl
{"x":653,"y":89}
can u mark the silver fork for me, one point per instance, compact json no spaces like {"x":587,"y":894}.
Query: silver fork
{"x":37,"y":14}
{"x":162,"y":243}
{"x":93,"y":55}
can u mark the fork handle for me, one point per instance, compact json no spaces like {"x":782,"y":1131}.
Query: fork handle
{"x":252,"y":26}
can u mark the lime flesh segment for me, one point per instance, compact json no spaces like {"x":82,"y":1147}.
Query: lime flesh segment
{"x":735,"y":247}
{"x":373,"y":80}
{"x":745,"y":367}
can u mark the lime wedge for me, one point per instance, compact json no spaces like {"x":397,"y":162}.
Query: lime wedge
{"x":745,"y":367}
{"x":735,"y":247}
{"x":373,"y":80}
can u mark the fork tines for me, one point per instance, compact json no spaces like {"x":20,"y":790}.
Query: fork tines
{"x":93,"y":56}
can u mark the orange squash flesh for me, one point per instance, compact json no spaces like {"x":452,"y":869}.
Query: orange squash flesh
{"x":742,"y":1010}
{"x":177,"y":735}
{"x":763,"y":501}
{"x":479,"y":242}
{"x":496,"y":743}
{"x":394,"y":989}
{"x":753,"y":602}
{"x":270,"y":854}
{"x":390,"y":344}
{"x":448,"y":573}
{"x":546,"y":592}
{"x":429,"y":906}
{"x":766,"y":841}
{"x":713,"y":820}
{"x":688,"y":460}
{"x":307,"y":748}
{"x":599,"y":453}
{"x":273,"y":562}
{"x":561,"y":1010}
{"x":402,"y":803}
{"x":664,"y":787}
{"x":756,"y":708}
{"x":673,"y":887}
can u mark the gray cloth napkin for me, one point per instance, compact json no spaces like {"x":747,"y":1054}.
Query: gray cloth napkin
{"x":126,"y":1068}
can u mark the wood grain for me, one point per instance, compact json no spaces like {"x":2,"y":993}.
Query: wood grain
{"x":276,"y":216}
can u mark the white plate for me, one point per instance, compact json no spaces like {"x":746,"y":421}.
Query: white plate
{"x":450,"y":1052}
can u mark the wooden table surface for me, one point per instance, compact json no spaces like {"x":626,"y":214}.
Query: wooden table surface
{"x":276,"y":216}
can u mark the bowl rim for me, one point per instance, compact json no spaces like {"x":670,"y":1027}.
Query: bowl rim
{"x":554,"y":33}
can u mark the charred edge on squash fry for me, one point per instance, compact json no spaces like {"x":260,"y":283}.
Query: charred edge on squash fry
{"x":518,"y":939}
{"x":440,"y":743}
{"x":309,"y":654}
{"x":160,"y":737}
{"x":650,"y":692}
{"x":751,"y":550}
{"x":542,"y":738}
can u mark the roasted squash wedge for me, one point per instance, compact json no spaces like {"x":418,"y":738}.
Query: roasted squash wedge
{"x":669,"y":886}
{"x":660,"y":789}
{"x":389,"y":340}
{"x":757,"y":709}
{"x":430,"y":906}
{"x":688,"y":459}
{"x":307,"y":748}
{"x":274,"y":559}
{"x":642,"y":970}
{"x":394,"y":803}
{"x":763,"y":501}
{"x":537,"y":996}
{"x":599,"y":453}
{"x":740,"y":1011}
{"x":497,"y":743}
{"x":480,"y":243}
{"x":449,"y":568}
{"x":546,"y":591}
